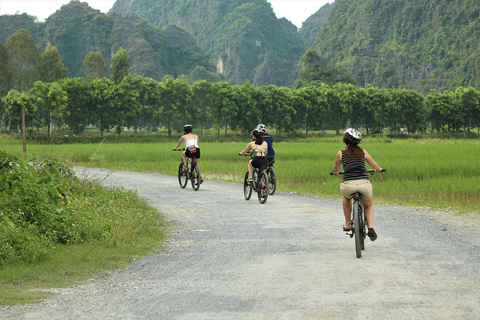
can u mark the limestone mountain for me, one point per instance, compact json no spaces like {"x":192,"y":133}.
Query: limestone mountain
{"x":242,"y":38}
{"x":77,"y":29}
{"x":416,"y":44}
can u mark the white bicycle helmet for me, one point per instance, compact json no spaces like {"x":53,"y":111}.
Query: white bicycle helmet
{"x":353,"y":136}
{"x":261,"y":128}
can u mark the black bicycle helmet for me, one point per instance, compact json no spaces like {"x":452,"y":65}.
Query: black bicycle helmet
{"x":352,"y":136}
{"x":187,"y":128}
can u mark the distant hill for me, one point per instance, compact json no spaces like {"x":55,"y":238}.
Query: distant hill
{"x":312,"y":25}
{"x":77,"y":29}
{"x":242,"y":38}
{"x":416,"y":44}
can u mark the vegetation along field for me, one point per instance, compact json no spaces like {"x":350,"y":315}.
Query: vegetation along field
{"x":427,"y":172}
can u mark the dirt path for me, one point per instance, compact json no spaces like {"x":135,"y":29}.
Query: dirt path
{"x":288,"y":259}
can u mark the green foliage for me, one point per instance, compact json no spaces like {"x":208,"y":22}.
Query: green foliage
{"x":120,"y":65}
{"x":5,"y":75}
{"x":51,"y":67}
{"x":419,"y":45}
{"x":261,"y":49}
{"x":44,"y":205}
{"x":95,"y":66}
{"x":23,"y":59}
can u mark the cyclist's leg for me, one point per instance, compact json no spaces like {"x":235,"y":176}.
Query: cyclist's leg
{"x":347,"y":211}
{"x":250,"y":169}
{"x":184,"y":156}
{"x":368,"y":210}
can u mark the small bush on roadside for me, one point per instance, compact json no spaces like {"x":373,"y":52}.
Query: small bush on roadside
{"x":44,"y":204}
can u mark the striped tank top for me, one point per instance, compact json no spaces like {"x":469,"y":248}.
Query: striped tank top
{"x":353,"y":170}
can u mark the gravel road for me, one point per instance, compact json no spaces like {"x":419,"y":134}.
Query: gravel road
{"x":228,"y":258}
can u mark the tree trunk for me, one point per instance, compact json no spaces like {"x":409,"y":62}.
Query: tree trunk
{"x":24,"y":133}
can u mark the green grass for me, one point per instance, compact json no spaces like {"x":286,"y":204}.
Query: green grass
{"x":428,"y":172}
{"x":114,"y":226}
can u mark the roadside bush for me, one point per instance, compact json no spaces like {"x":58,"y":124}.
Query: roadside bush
{"x":44,"y":204}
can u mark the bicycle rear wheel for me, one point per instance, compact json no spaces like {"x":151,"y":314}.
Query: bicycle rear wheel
{"x":262,"y":186}
{"x":195,"y":176}
{"x":363,"y":223}
{"x":182,"y":176}
{"x":357,"y":228}
{"x":247,"y":188}
{"x":272,"y":180}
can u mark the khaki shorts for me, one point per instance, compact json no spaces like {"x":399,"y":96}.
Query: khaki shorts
{"x":362,"y":185}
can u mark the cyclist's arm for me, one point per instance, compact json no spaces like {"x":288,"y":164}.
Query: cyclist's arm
{"x":247,"y":149}
{"x":338,"y":163}
{"x":179,"y":142}
{"x":372,"y":162}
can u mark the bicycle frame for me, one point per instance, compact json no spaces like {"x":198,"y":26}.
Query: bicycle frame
{"x":357,"y":220}
{"x":192,"y":173}
{"x":258,"y":176}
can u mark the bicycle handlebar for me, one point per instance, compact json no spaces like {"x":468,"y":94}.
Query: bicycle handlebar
{"x":181,"y":149}
{"x":245,"y":155}
{"x":371,"y":171}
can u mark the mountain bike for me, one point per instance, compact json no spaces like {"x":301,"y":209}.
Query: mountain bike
{"x":358,"y":224}
{"x":192,"y":173}
{"x":272,"y":177}
{"x":259,"y":183}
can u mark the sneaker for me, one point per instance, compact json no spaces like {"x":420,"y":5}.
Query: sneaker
{"x":372,"y":234}
{"x":249,"y":179}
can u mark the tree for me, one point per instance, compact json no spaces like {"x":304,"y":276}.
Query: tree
{"x":20,"y":107}
{"x":23,"y":59}
{"x":248,"y":114}
{"x":94,"y":66}
{"x":175,"y":95}
{"x":338,"y":112}
{"x":51,"y":101}
{"x":310,"y":106}
{"x":469,"y":107}
{"x":5,"y":75}
{"x":79,"y":112}
{"x":439,"y":107}
{"x":202,"y":99}
{"x":105,"y":95}
{"x":120,"y":66}
{"x":138,"y":97}
{"x":315,"y":70}
{"x":51,"y":67}
{"x":223,"y":108}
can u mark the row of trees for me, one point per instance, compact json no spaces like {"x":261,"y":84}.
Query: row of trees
{"x":138,"y":102}
{"x":25,"y":74}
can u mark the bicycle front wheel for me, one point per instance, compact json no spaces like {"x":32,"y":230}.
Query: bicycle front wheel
{"x":357,"y":229}
{"x":182,"y":176}
{"x":247,"y":188}
{"x":272,"y":180}
{"x":262,"y":187}
{"x":195,"y":176}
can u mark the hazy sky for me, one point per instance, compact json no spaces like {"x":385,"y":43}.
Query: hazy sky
{"x":297,"y":11}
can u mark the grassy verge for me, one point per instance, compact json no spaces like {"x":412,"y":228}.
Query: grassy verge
{"x":57,"y":230}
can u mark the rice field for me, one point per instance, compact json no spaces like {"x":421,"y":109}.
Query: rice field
{"x":429,"y":172}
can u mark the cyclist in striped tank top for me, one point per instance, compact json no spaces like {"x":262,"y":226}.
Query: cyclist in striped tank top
{"x":355,"y":178}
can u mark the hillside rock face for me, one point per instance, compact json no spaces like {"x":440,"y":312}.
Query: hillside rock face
{"x":416,"y":44}
{"x":77,"y":29}
{"x":242,"y":38}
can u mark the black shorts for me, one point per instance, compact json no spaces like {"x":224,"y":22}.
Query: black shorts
{"x":257,"y":162}
{"x":196,"y":154}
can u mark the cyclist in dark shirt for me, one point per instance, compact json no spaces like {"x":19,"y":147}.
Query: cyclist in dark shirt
{"x":355,"y":179}
{"x":268,"y":139}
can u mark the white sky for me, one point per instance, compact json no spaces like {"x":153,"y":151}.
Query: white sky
{"x":297,"y":11}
